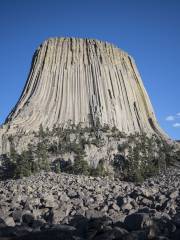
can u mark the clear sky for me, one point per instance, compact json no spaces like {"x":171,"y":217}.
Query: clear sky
{"x":149,"y":30}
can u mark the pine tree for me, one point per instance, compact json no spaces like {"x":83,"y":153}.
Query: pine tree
{"x":41,"y":133}
{"x":14,"y":156}
{"x":8,"y":167}
{"x":42,"y":157}
{"x":23,"y":165}
{"x":80,"y":165}
{"x":41,"y":151}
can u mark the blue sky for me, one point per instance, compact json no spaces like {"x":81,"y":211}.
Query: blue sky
{"x":149,"y":30}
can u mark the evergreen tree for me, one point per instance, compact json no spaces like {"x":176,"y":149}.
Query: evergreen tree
{"x":41,"y":151}
{"x":23,"y":165}
{"x":80,"y":165}
{"x":30,"y":156}
{"x":42,"y":133}
{"x":42,"y":157}
{"x":7,"y":167}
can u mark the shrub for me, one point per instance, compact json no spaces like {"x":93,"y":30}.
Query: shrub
{"x":77,"y":148}
{"x":65,"y":166}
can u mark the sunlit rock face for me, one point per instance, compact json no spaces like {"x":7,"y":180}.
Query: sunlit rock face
{"x":83,"y":80}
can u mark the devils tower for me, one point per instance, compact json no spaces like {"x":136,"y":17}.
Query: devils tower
{"x":82,"y":80}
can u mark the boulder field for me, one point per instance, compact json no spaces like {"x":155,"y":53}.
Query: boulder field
{"x":64,"y":206}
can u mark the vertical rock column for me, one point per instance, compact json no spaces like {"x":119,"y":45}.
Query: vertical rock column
{"x":83,"y":80}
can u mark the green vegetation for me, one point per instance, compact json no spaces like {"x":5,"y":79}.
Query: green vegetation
{"x":139,"y":156}
{"x":99,"y":170}
{"x":80,"y":166}
{"x":146,"y":156}
{"x":18,"y":165}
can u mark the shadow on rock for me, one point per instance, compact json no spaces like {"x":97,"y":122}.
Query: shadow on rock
{"x":137,"y":226}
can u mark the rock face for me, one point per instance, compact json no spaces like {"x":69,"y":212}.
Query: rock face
{"x":82,"y":80}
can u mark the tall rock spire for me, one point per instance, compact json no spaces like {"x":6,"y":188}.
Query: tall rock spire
{"x":83,"y":80}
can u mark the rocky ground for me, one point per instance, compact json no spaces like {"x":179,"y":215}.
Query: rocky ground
{"x":62,"y":206}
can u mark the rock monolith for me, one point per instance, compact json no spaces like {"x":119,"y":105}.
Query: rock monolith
{"x":82,"y":80}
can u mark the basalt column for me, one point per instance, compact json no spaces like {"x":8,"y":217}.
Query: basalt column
{"x":82,"y":80}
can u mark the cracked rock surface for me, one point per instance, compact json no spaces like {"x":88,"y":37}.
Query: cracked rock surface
{"x":81,"y":80}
